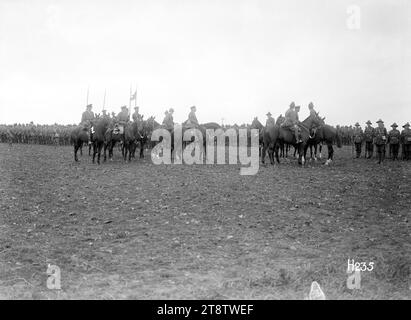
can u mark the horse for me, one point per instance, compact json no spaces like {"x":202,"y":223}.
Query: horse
{"x":278,"y":135}
{"x":100,"y":128}
{"x":256,"y":124}
{"x":110,"y":140}
{"x":78,"y":136}
{"x":327,"y":134}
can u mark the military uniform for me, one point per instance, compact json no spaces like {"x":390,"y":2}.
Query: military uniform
{"x":280,"y":120}
{"x":136,"y":115}
{"x":406,"y":142}
{"x":122,"y":118}
{"x":192,"y":118}
{"x":358,"y":138}
{"x":168,"y":121}
{"x":291,"y":120}
{"x":369,"y":138}
{"x":270,"y":120}
{"x":380,"y":140}
{"x":87,"y":116}
{"x":394,"y":137}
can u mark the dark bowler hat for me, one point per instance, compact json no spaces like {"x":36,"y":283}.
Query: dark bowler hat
{"x":368,"y":122}
{"x":380,"y":121}
{"x":394,"y":125}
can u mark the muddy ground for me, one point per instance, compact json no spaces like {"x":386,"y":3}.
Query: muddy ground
{"x":140,"y":231}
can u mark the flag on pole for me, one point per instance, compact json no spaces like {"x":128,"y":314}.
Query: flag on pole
{"x":133,"y":96}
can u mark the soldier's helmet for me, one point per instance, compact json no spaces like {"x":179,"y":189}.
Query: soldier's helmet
{"x":394,"y":125}
{"x":368,"y":122}
{"x":292,"y":104}
{"x":310,"y":105}
{"x":357,"y":124}
{"x":380,"y":121}
{"x":407,"y":125}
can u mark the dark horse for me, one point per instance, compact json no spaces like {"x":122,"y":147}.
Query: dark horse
{"x":275,"y":136}
{"x":135,"y":133}
{"x":256,"y":124}
{"x":78,"y":136}
{"x":111,"y":138}
{"x":100,"y":129}
{"x":327,"y":134}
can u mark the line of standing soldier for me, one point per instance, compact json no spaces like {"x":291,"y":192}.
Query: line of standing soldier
{"x":380,"y":138}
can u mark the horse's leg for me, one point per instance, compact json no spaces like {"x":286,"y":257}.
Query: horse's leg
{"x":277,"y":147}
{"x":100,"y":146}
{"x":94,"y":150}
{"x":105,"y":152}
{"x":89,"y":149}
{"x":81,"y":148}
{"x":75,"y":151}
{"x":141,"y":149}
{"x":263,"y":153}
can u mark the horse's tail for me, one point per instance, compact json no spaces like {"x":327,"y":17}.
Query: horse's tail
{"x":339,"y":139}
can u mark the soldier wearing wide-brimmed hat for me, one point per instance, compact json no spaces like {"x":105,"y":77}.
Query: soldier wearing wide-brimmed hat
{"x":369,"y":138}
{"x":394,"y":137}
{"x":270,"y":120}
{"x":291,"y":121}
{"x":380,"y":140}
{"x":192,"y":118}
{"x":406,"y":142}
{"x":358,"y":138}
{"x":168,"y":121}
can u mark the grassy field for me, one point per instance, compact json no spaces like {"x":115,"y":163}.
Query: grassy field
{"x":140,"y":231}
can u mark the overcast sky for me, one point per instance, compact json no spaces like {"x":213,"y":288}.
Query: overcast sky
{"x":233,"y":59}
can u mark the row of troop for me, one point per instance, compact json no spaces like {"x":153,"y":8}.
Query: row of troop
{"x":380,"y":137}
{"x":36,"y":134}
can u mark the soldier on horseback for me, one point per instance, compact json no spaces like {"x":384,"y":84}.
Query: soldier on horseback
{"x":86,"y":121}
{"x":291,"y":121}
{"x":136,"y":115}
{"x":192,"y":119}
{"x":270,"y":120}
{"x":168,"y":121}
{"x":123,"y":118}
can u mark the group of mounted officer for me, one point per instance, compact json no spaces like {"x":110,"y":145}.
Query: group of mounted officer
{"x":291,"y":119}
{"x":380,"y":137}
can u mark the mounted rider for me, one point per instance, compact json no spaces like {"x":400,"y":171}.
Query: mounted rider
{"x":136,"y":115}
{"x":168,"y":121}
{"x":270,"y":120}
{"x":123,"y":118}
{"x":87,"y":121}
{"x":87,"y":117}
{"x":192,"y":121}
{"x":291,"y":121}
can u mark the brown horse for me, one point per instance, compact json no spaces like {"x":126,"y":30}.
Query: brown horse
{"x":100,"y":129}
{"x":276,"y":135}
{"x":78,"y":136}
{"x":328,"y":135}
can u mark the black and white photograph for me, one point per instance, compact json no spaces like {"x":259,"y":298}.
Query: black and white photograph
{"x":213,"y":152}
